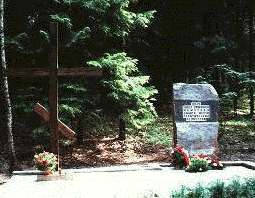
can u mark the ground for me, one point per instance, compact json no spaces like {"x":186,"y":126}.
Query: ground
{"x":236,"y":142}
{"x":3,"y":178}
{"x":119,"y":181}
{"x":105,"y":153}
{"x":237,"y":139}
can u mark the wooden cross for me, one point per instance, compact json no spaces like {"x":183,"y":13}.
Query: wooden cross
{"x":53,"y":72}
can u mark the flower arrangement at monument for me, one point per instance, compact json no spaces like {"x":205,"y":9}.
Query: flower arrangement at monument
{"x":180,"y":157}
{"x":46,"y":162}
{"x":194,"y":163}
{"x":213,"y":161}
{"x":197,"y":164}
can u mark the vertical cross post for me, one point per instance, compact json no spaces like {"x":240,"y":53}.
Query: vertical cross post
{"x":53,"y":88}
{"x":174,"y":124}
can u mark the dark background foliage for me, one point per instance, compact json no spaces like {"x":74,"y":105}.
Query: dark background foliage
{"x":182,"y":41}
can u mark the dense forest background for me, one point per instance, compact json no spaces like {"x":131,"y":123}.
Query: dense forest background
{"x":168,"y":40}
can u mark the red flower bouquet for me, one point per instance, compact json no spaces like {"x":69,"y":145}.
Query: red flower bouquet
{"x":180,"y":157}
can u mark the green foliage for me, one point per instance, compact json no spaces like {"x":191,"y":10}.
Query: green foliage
{"x":62,"y":20}
{"x":226,"y":101}
{"x":244,"y":79}
{"x":197,"y":165}
{"x":29,"y":44}
{"x":113,"y":16}
{"x":25,"y":99}
{"x":198,"y":192}
{"x":181,"y":193}
{"x":157,"y":136}
{"x":40,"y":133}
{"x":235,"y":86}
{"x":88,"y":28}
{"x":22,"y":106}
{"x":85,"y":25}
{"x":235,"y":189}
{"x":240,"y":122}
{"x":217,"y":190}
{"x":73,"y":100}
{"x":79,"y":37}
{"x":128,"y":90}
{"x":97,"y":124}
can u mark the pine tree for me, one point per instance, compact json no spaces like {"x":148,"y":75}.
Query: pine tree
{"x":127,"y":89}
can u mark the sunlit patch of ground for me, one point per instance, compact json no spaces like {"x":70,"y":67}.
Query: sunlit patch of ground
{"x":104,"y":153}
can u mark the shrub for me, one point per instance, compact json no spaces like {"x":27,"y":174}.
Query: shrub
{"x":197,"y":165}
{"x":235,"y":189}
{"x":217,"y":190}
{"x":157,"y":136}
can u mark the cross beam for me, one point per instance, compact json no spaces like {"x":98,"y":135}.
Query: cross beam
{"x":62,"y":128}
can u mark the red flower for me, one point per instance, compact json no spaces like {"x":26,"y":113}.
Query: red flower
{"x":45,"y":162}
{"x":183,"y":159}
{"x":186,"y":160}
{"x":179,"y":149}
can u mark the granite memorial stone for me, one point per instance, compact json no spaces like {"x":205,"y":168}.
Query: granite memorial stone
{"x":196,"y":117}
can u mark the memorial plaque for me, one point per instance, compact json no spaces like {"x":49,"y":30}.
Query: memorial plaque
{"x":196,"y":117}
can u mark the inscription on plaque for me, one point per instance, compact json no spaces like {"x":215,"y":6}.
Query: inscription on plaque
{"x":196,"y":112}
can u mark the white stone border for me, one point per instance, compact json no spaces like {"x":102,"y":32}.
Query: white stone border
{"x":246,"y":164}
{"x":135,"y":167}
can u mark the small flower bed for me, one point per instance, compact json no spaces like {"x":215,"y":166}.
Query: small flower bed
{"x":194,"y":163}
{"x":45,"y":161}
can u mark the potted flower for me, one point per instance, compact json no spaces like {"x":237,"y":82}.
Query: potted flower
{"x":180,"y":157}
{"x":46,"y":162}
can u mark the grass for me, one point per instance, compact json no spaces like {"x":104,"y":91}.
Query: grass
{"x":159,"y":133}
{"x":235,"y":189}
{"x":237,"y":139}
{"x":240,"y":122}
{"x":241,"y":127}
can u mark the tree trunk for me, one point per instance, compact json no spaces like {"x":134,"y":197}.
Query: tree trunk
{"x":251,"y":91}
{"x":235,"y":103}
{"x":251,"y":101}
{"x":4,"y":94}
{"x":122,"y":129}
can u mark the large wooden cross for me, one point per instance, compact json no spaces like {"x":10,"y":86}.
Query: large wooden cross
{"x":53,"y":72}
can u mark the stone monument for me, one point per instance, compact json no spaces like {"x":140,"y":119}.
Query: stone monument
{"x":196,"y":117}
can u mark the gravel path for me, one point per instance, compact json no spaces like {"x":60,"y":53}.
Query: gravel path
{"x":117,"y":182}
